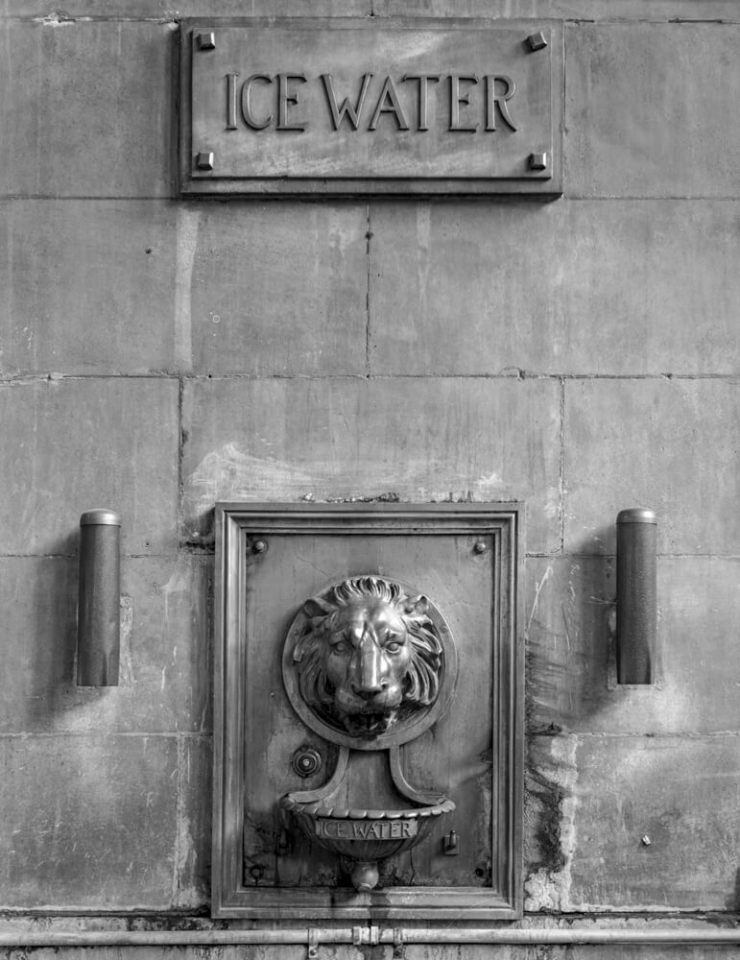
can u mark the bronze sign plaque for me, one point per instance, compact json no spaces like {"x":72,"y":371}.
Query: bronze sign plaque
{"x":344,"y":107}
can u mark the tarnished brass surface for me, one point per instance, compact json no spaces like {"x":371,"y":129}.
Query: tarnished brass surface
{"x":351,"y":106}
{"x":446,"y":757}
{"x":365,"y":663}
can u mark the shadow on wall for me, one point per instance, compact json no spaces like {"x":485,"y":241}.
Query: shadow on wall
{"x":570,"y":666}
{"x":52,"y":635}
{"x":570,"y":639}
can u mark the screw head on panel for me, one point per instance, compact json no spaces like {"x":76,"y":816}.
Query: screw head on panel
{"x":537,"y":161}
{"x":206,"y":41}
{"x":204,"y":160}
{"x":536,"y":41}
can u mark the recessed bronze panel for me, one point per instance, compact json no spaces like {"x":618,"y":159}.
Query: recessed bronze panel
{"x":342,"y":106}
{"x":368,"y":712}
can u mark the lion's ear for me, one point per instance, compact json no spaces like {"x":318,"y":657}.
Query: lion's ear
{"x":316,"y":607}
{"x":417,"y":605}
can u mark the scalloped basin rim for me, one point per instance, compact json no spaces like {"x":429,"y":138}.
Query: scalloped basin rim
{"x":314,"y":809}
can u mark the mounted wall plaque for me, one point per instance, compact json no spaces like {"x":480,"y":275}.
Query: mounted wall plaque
{"x":346,"y":107}
{"x":368,"y":712}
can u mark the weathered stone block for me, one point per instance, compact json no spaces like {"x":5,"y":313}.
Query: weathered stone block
{"x":72,"y":445}
{"x":192,"y":890}
{"x":165,"y":672}
{"x":561,"y":9}
{"x":420,"y":440}
{"x":276,"y":289}
{"x":492,"y":289}
{"x":89,"y":822}
{"x":680,"y":794}
{"x":571,"y":669}
{"x":87,"y":108}
{"x":88,"y":287}
{"x":701,"y":10}
{"x":647,"y":108}
{"x":162,"y":9}
{"x":670,"y":445}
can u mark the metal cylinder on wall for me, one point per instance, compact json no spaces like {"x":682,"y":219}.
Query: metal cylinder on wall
{"x":99,"y":617}
{"x":636,"y":595}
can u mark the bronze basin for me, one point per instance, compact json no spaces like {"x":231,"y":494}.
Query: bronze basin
{"x":364,"y":836}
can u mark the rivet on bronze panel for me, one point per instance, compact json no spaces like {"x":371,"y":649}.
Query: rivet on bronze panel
{"x":206,"y":41}
{"x":259,"y":546}
{"x":479,"y":546}
{"x":536,"y":41}
{"x":537,"y":161}
{"x":204,"y":161}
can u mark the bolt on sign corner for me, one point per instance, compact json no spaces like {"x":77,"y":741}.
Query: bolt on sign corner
{"x":346,"y":107}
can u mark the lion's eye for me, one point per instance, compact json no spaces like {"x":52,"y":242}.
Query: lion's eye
{"x":393,"y":646}
{"x":339,"y":647}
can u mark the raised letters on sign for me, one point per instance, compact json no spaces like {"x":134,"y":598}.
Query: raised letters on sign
{"x":471,"y":103}
{"x":366,"y":829}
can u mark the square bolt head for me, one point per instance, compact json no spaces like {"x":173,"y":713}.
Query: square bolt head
{"x":206,"y":41}
{"x":537,"y":161}
{"x":204,"y":161}
{"x":536,"y":41}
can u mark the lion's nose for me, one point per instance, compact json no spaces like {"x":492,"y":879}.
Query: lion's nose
{"x":368,"y":680}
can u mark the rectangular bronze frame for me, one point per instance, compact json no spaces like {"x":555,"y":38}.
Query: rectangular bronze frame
{"x":234,"y":523}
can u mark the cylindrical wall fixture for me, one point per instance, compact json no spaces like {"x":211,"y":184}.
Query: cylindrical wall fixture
{"x":636,"y":595}
{"x":99,"y":612}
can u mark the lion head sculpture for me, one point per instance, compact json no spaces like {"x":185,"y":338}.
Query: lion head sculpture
{"x":369,"y":655}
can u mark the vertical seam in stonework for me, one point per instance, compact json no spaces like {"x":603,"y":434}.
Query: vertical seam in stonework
{"x":368,"y":238}
{"x":561,"y":467}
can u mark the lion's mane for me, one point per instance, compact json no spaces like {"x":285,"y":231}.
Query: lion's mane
{"x":423,"y":675}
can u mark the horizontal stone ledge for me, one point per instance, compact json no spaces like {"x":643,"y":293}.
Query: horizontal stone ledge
{"x":368,"y":935}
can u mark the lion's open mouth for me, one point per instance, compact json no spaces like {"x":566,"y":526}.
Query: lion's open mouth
{"x":368,"y":725}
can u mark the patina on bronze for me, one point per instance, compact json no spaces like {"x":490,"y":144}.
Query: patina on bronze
{"x":355,"y":106}
{"x":369,"y":663}
{"x":369,"y":656}
{"x":366,"y":665}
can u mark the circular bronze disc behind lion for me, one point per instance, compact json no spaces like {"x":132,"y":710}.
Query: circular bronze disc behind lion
{"x":369,"y":663}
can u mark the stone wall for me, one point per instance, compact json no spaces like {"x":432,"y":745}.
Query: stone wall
{"x":159,"y":355}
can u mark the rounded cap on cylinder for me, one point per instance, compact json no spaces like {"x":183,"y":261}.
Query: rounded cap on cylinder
{"x":100,"y":516}
{"x":636,"y":515}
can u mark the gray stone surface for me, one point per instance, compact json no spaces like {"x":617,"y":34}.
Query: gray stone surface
{"x":589,"y":10}
{"x":670,"y":445}
{"x":88,"y":821}
{"x":648,"y":110}
{"x":420,"y":439}
{"x":571,"y":670}
{"x":90,"y":286}
{"x":73,"y":445}
{"x":276,"y":290}
{"x":86,"y":108}
{"x":165,"y":664}
{"x":192,"y":884}
{"x":585,"y":288}
{"x":682,"y":795}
